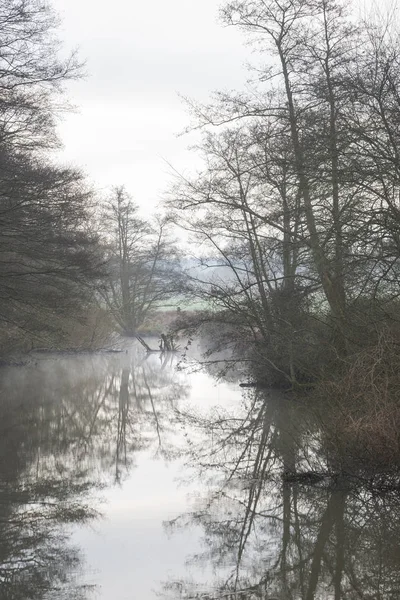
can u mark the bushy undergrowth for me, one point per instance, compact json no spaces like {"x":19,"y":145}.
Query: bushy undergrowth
{"x":91,"y":329}
{"x":360,"y":404}
{"x":158,"y":322}
{"x":356,"y":394}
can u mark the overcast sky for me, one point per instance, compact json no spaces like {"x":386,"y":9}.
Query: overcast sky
{"x":139,"y":56}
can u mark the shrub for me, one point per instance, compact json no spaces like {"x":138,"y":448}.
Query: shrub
{"x":361,"y":405}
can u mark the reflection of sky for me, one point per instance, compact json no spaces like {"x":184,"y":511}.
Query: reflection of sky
{"x":205,"y":392}
{"x":128,"y":553}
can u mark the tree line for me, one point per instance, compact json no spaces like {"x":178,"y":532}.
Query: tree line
{"x":297,"y":205}
{"x":64,"y":263}
{"x":299,"y":195}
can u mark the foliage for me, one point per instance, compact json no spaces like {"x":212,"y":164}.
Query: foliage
{"x":49,"y":256}
{"x":361,"y":413}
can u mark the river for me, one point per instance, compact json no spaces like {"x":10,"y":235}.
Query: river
{"x":133,"y":476}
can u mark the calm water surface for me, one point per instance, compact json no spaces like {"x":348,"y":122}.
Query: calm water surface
{"x":123,"y":477}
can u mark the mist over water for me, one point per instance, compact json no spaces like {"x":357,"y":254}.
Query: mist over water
{"x":123,"y":476}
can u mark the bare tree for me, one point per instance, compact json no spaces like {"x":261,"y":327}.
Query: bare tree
{"x":49,"y":254}
{"x":322,"y":117}
{"x":245,"y":213}
{"x":32,"y":73}
{"x":143,"y":273}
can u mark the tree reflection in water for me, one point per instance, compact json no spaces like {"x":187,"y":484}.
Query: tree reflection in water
{"x":72,"y":425}
{"x":271,"y":530}
{"x":69,"y":426}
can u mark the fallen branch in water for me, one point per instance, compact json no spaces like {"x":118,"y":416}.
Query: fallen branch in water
{"x":141,"y":340}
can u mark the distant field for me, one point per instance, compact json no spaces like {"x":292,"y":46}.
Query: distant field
{"x":184,"y":305}
{"x":164,"y":317}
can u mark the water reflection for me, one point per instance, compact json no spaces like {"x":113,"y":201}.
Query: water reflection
{"x":278,"y":523}
{"x":68,"y":427}
{"x":277,"y":516}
